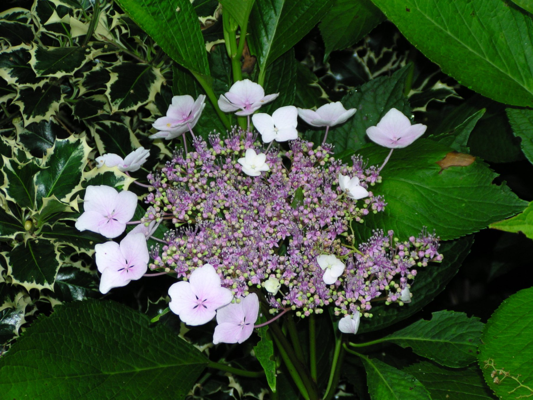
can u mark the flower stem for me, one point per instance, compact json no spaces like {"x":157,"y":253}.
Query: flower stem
{"x":206,"y":84}
{"x":236,"y":371}
{"x":293,"y":333}
{"x":325,"y":136}
{"x":156,"y":318}
{"x":386,"y":160}
{"x":335,"y":372}
{"x":367,"y":343}
{"x":273,"y":319}
{"x":142,"y":184}
{"x":312,"y":347}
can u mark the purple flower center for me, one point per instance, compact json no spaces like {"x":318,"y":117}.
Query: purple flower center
{"x":200,"y":303}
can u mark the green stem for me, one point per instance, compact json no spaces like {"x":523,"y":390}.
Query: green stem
{"x":354,"y":352}
{"x":95,"y":20}
{"x":156,"y":318}
{"x":367,"y":343}
{"x":204,"y":82}
{"x":293,"y":333}
{"x":312,"y":347}
{"x":236,"y":371}
{"x":335,"y":372}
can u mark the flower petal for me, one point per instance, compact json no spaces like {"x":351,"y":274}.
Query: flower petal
{"x":265,"y":126}
{"x":135,"y":250}
{"x":309,"y":116}
{"x":225,"y":105}
{"x":101,"y":199}
{"x":108,"y":255}
{"x":135,"y":160}
{"x":125,"y":207}
{"x":394,"y":122}
{"x":110,"y":160}
{"x":285,"y":117}
{"x":350,"y":324}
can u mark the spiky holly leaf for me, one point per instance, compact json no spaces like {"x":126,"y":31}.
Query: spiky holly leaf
{"x":107,"y":176}
{"x":19,"y":183}
{"x":95,"y":79}
{"x":64,"y":164}
{"x":14,"y":67}
{"x":37,"y":138}
{"x":133,"y":85}
{"x":9,"y":225}
{"x":91,"y":106}
{"x":65,"y":234}
{"x":40,"y":103}
{"x":91,"y":348}
{"x":34,"y":264}
{"x":58,"y":61}
{"x":51,"y":207}
{"x":114,"y":137}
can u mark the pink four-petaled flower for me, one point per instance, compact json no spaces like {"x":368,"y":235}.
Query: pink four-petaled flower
{"x":182,"y":115}
{"x":246,"y":96}
{"x":236,"y":321}
{"x":395,"y":131}
{"x":131,"y":163}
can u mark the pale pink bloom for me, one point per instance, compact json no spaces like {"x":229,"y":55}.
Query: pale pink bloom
{"x":281,"y":126}
{"x":332,"y":267}
{"x":182,"y":115}
{"x":131,"y":163}
{"x":352,"y":187}
{"x":120,"y":264}
{"x":246,"y":96}
{"x":330,"y":114}
{"x":196,"y":301}
{"x":350,"y":323}
{"x":405,"y":295}
{"x":147,"y":231}
{"x":395,"y":130}
{"x":236,"y":321}
{"x":253,"y":164}
{"x":106,"y":211}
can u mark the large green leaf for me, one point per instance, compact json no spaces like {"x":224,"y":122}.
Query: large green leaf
{"x":372,"y":101}
{"x":19,"y":183}
{"x":347,"y":22}
{"x":99,"y":350}
{"x":64,"y":165}
{"x":484,"y":44}
{"x":388,"y":383}
{"x":285,"y":67}
{"x":14,"y":67}
{"x":525,"y":4}
{"x":429,"y":282}
{"x":277,"y":25}
{"x":506,"y":355}
{"x":39,"y":137}
{"x":16,"y":33}
{"x":454,"y":201}
{"x":174,"y":26}
{"x":309,"y":93}
{"x":522,"y":123}
{"x":457,"y":139}
{"x":449,"y":338}
{"x":264,"y":351}
{"x":239,"y":10}
{"x":132,"y":85}
{"x":73,"y":284}
{"x":40,"y":103}
{"x":34,"y":264}
{"x":447,"y":384}
{"x":523,"y":222}
{"x":57,"y":62}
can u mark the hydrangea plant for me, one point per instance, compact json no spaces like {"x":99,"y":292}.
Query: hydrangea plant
{"x":202,"y":199}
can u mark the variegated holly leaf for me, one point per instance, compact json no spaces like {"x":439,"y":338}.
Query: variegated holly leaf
{"x":16,"y":33}
{"x":113,"y":137}
{"x":7,"y":92}
{"x":34,"y":264}
{"x":37,"y":138}
{"x":19,"y":185}
{"x":66,"y":234}
{"x":95,"y":79}
{"x":14,"y":67}
{"x":74,"y":284}
{"x":107,"y":176}
{"x":52,"y":207}
{"x":91,"y":106}
{"x":9,"y":225}
{"x":132,"y":85}
{"x":40,"y":103}
{"x":58,"y":61}
{"x":17,"y":14}
{"x":64,"y":164}
{"x":13,"y":304}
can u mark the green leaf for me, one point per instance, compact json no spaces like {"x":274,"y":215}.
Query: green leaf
{"x":264,"y":351}
{"x":522,"y":123}
{"x":485,"y":44}
{"x":73,"y":284}
{"x":11,"y":319}
{"x":506,"y":355}
{"x":132,"y":85}
{"x":16,"y":33}
{"x":40,"y":103}
{"x":9,"y":225}
{"x":457,"y":139}
{"x":450,"y":339}
{"x":65,"y":234}
{"x":34,"y":264}
{"x":415,"y":186}
{"x":64,"y":165}
{"x":277,"y":25}
{"x":388,"y":383}
{"x":14,"y":66}
{"x":372,"y":101}
{"x":91,"y":106}
{"x":113,"y":137}
{"x":239,"y":10}
{"x":309,"y":93}
{"x":51,"y":206}
{"x":523,"y":222}
{"x":347,"y":22}
{"x":19,"y":183}
{"x":39,"y":137}
{"x":107,"y":176}
{"x":285,"y":67}
{"x":99,"y":350}
{"x":446,"y":383}
{"x":429,"y":282}
{"x":525,"y":4}
{"x":59,"y":61}
{"x":174,"y":26}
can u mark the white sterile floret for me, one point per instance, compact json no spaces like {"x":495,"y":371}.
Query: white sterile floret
{"x":352,"y":187}
{"x":131,"y":163}
{"x":253,"y":164}
{"x":328,"y":115}
{"x":332,"y":267}
{"x":272,"y":285}
{"x":350,"y":323}
{"x":405,"y":295}
{"x":281,"y":126}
